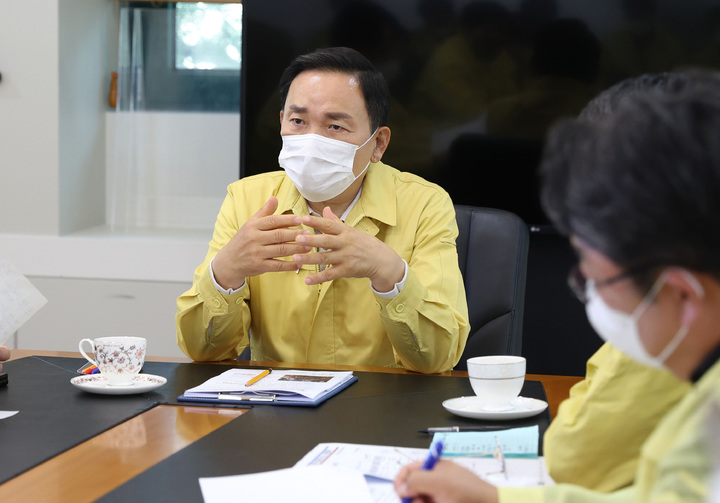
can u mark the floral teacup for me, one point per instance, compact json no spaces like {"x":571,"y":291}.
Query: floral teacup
{"x":119,"y":359}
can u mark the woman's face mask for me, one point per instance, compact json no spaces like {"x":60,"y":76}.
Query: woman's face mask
{"x":321,"y":168}
{"x":621,"y":329}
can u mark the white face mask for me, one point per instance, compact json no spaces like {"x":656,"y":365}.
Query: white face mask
{"x":321,"y":168}
{"x":621,"y":330}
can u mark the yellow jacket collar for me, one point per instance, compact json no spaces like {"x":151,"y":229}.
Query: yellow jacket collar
{"x":377,"y":200}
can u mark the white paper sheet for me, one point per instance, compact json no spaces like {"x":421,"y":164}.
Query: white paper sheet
{"x":313,"y":484}
{"x":384,"y":462}
{"x":19,"y":300}
{"x":4,"y":414}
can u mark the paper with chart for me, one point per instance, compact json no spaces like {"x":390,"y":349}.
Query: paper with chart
{"x":477,"y":452}
{"x":383,"y":462}
{"x":19,"y":300}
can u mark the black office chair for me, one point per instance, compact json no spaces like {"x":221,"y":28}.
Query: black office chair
{"x":492,"y":251}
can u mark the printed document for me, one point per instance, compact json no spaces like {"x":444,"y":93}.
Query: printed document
{"x":384,"y":462}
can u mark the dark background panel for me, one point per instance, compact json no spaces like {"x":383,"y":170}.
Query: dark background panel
{"x":475,"y":85}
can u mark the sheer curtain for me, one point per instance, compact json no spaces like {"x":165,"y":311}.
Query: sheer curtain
{"x":172,"y":150}
{"x":128,"y":179}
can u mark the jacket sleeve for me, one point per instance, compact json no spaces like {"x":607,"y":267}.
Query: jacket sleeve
{"x":596,"y":437}
{"x":564,"y":493}
{"x":427,"y":322}
{"x":212,"y":325}
{"x":680,"y":483}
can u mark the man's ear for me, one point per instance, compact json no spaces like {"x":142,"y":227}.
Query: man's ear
{"x":382,"y":139}
{"x":690,"y":290}
{"x":281,"y":117}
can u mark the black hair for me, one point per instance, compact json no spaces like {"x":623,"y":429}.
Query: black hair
{"x":349,"y":61}
{"x":642,"y":184}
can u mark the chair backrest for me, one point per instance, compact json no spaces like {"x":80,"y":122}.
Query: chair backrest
{"x":492,"y":249}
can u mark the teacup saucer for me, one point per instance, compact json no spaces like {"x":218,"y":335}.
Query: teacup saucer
{"x":96,"y":383}
{"x":473,"y":407}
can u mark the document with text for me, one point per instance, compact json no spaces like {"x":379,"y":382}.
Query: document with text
{"x":381,"y":464}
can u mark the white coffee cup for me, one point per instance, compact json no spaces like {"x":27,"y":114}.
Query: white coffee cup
{"x":497,"y":379}
{"x":119,"y":358}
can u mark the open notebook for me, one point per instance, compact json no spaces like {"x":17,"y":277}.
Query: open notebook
{"x":279,"y":387}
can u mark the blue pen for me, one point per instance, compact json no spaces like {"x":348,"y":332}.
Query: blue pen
{"x":432,"y":459}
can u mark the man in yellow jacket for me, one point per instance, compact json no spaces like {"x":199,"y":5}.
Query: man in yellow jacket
{"x":340,"y":259}
{"x":588,"y":443}
{"x":638,"y":192}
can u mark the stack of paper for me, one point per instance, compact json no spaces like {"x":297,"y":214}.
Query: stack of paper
{"x":340,"y":469}
{"x":282,"y":387}
{"x":519,"y":466}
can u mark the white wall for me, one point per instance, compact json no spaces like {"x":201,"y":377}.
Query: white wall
{"x":84,"y":69}
{"x":55,"y":59}
{"x":90,"y":308}
{"x":29,"y":107}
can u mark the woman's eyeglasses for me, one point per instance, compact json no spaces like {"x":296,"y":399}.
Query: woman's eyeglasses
{"x":578,"y":282}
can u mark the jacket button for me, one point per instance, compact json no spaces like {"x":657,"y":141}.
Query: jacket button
{"x":400,"y":308}
{"x":216,"y":302}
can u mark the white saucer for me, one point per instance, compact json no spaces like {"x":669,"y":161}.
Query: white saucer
{"x":96,"y":383}
{"x":473,"y":407}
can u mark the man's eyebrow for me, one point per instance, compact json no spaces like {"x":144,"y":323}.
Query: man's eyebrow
{"x":330,"y":115}
{"x":338,"y":115}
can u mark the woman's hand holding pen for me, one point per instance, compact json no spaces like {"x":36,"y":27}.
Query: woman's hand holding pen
{"x":447,"y":482}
